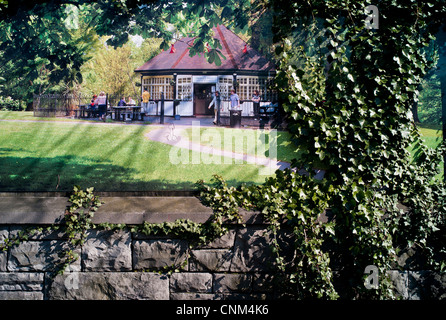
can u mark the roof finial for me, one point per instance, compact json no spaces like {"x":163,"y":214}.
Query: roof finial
{"x":172,"y":49}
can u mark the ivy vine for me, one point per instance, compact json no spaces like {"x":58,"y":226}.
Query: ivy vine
{"x":348,"y":91}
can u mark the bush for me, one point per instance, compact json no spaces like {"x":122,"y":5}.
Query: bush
{"x":7,"y":103}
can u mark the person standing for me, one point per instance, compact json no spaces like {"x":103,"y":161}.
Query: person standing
{"x":256,"y":103}
{"x":145,"y":101}
{"x":216,"y":103}
{"x":102,"y":105}
{"x":235,"y":100}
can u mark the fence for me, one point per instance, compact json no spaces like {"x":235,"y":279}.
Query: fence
{"x":53,"y":105}
{"x":65,"y":105}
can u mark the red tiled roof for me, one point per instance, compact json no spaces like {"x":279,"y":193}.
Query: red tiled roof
{"x":232,"y":49}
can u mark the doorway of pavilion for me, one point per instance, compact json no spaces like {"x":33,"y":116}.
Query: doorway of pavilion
{"x":202,"y":99}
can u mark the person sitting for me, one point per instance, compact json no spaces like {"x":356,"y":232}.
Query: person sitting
{"x":93,"y":102}
{"x":91,"y":110}
{"x":131,"y":102}
{"x":122,"y":102}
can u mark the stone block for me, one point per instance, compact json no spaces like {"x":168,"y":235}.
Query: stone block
{"x":411,"y":258}
{"x":156,"y":254}
{"x":427,"y":285}
{"x":21,"y":281}
{"x":4,"y":234}
{"x":192,"y":296}
{"x":251,"y":250}
{"x":21,"y":295}
{"x":214,"y":260}
{"x":232,"y":282}
{"x":55,"y":232}
{"x":262,"y":282}
{"x":39,"y":256}
{"x":109,"y":286}
{"x":107,"y":251}
{"x":224,"y":242}
{"x":400,"y":281}
{"x":191,"y":282}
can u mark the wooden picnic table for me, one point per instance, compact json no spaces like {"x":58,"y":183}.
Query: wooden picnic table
{"x":84,"y":111}
{"x":134,"y":111}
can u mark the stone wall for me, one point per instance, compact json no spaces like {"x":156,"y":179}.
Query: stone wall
{"x":121,"y":264}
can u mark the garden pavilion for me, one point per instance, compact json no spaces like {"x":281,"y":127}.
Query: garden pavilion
{"x":191,"y":81}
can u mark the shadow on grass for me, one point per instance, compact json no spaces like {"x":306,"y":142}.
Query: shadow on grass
{"x":39,"y":174}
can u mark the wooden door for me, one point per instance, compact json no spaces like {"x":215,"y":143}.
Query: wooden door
{"x":202,"y":99}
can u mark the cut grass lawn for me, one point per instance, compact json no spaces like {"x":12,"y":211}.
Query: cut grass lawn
{"x":29,"y":116}
{"x":248,"y":141}
{"x":53,"y":156}
{"x":39,"y":154}
{"x":432,"y":137}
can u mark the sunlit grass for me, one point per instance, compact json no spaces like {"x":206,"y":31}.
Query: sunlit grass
{"x":253,"y":142}
{"x":39,"y":154}
{"x":49,"y":156}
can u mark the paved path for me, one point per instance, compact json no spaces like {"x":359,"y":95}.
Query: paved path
{"x":174,"y":134}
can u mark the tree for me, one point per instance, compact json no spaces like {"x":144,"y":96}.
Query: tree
{"x":112,"y":69}
{"x":39,"y":53}
{"x":348,"y":91}
{"x":39,"y":49}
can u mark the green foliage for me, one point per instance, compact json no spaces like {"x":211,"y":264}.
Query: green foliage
{"x":429,"y":106}
{"x":38,"y":52}
{"x":288,"y":201}
{"x":349,"y":92}
{"x":78,"y":216}
{"x":77,"y":222}
{"x":112,"y":69}
{"x":293,"y":201}
{"x":45,"y":44}
{"x":7,"y":103}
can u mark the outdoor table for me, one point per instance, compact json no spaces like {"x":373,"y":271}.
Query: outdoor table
{"x":81,"y":110}
{"x":85,"y":110}
{"x":122,"y":110}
